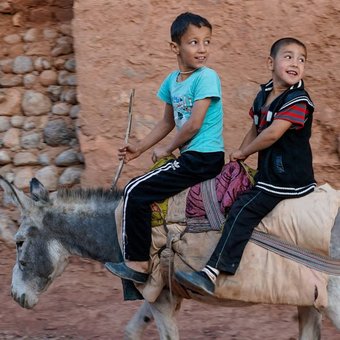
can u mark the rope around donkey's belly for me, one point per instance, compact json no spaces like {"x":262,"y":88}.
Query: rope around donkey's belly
{"x":301,"y":255}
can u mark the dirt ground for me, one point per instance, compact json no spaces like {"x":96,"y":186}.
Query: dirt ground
{"x":86,"y":303}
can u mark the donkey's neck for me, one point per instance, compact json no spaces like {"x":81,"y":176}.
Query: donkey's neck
{"x":86,"y":230}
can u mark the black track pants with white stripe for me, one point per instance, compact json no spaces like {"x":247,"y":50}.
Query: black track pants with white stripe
{"x":155,"y":186}
{"x":244,"y":215}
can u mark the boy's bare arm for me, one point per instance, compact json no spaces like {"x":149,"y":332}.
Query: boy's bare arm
{"x":249,"y":137}
{"x":189,"y":129}
{"x":159,"y":131}
{"x":265,"y":139}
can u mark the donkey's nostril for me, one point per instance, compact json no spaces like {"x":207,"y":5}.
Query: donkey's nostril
{"x":22,"y":264}
{"x":22,"y":300}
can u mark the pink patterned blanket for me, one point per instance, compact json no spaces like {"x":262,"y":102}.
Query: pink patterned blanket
{"x":229,"y":184}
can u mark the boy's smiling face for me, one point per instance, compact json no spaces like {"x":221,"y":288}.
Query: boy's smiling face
{"x":194,"y":48}
{"x":288,"y":65}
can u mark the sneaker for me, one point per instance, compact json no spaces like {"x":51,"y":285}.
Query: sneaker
{"x":196,"y":281}
{"x":123,"y":271}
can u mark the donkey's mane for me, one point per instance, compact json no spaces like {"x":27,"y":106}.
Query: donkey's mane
{"x":89,"y":194}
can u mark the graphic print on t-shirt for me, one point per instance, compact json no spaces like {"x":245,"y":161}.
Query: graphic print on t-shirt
{"x":182,"y":109}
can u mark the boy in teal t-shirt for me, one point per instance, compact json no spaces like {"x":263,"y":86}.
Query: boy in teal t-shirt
{"x":193,"y":104}
{"x":203,"y":83}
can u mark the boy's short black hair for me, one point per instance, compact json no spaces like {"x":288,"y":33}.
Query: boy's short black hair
{"x":182,"y":22}
{"x":283,"y":42}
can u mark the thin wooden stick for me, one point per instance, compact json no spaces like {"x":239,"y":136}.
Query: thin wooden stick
{"x":127,"y":135}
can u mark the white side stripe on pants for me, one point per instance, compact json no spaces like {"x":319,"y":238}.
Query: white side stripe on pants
{"x":131,"y":185}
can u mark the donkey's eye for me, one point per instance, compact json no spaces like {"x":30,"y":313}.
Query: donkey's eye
{"x":22,"y":263}
{"x":32,"y":231}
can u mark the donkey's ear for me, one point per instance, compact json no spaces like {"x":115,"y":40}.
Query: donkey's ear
{"x":17,"y":196}
{"x":38,"y":191}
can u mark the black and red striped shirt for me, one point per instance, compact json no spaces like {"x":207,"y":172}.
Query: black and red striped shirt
{"x":295,"y":114}
{"x":285,"y":168}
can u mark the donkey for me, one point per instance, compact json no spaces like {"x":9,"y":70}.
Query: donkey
{"x":81,"y":222}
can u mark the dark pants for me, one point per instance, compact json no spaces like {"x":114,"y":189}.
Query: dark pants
{"x":245,"y":214}
{"x":155,"y":186}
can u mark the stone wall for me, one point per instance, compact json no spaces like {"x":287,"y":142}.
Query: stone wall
{"x":38,"y":97}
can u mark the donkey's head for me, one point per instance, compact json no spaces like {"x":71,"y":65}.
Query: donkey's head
{"x":40,"y":257}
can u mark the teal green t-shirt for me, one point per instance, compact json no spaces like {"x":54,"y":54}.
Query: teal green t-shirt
{"x":203,"y":83}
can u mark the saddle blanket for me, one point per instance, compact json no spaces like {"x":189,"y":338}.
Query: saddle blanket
{"x":234,"y":179}
{"x":188,"y":206}
{"x":263,"y":276}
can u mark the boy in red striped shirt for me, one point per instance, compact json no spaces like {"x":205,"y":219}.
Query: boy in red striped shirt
{"x":282,"y":115}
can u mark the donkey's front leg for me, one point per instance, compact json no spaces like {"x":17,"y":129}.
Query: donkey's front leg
{"x":164,"y":311}
{"x":139,"y":322}
{"x":309,"y":323}
{"x":333,"y":308}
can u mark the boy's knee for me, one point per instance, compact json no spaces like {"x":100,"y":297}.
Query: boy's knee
{"x":137,"y":197}
{"x":133,"y":199}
